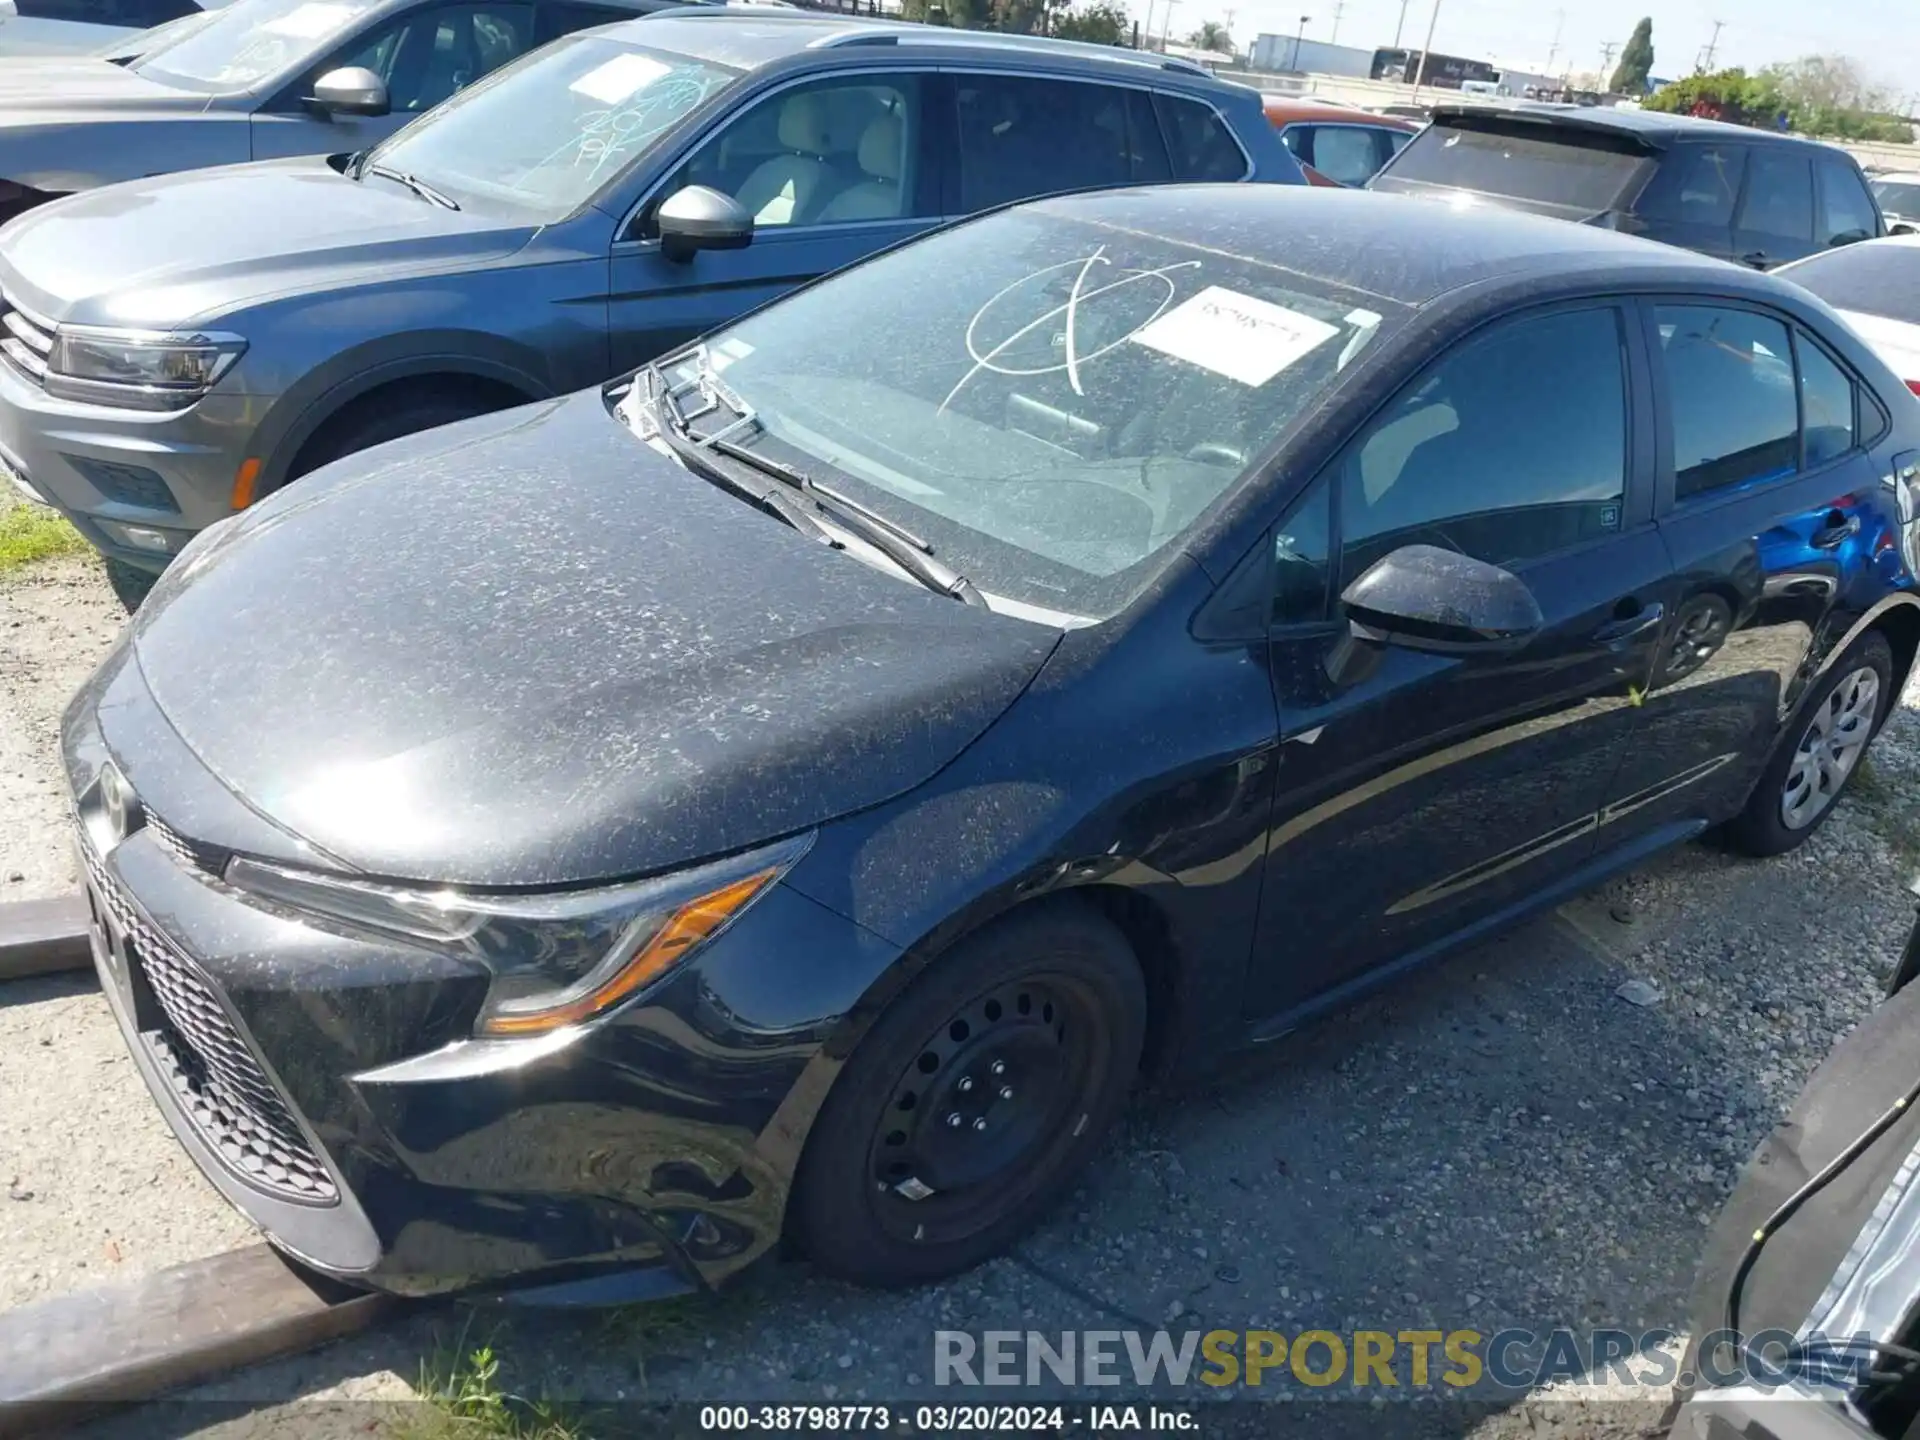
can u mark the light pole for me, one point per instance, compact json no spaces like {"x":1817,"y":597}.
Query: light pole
{"x":1420,"y":74}
{"x":1166,"y":26}
{"x":1296,"y":42}
{"x":1401,"y":25}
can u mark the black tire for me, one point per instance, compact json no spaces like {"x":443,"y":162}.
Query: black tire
{"x":1762,"y":828}
{"x":1056,"y":970}
{"x":378,"y":418}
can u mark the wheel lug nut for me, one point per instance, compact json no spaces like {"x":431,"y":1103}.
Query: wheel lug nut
{"x":999,"y":1067}
{"x":953,"y":1120}
{"x":981,"y":1123}
{"x":1006,"y":1092}
{"x":966,"y":1083}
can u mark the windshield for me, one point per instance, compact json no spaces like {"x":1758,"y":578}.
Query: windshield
{"x":1877,"y":277}
{"x":246,"y":43}
{"x":1898,"y":197}
{"x":1572,"y":169}
{"x":1050,"y":399}
{"x":146,"y":42}
{"x":545,"y":134}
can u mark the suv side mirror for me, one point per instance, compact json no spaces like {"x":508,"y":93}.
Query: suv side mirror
{"x":696,"y":218}
{"x":351,"y":90}
{"x":1421,"y":597}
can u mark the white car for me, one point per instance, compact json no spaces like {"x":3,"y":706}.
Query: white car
{"x":1875,"y":285}
{"x":1898,"y":195}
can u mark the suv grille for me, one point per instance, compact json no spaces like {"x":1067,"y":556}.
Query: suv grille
{"x":25,"y":341}
{"x":218,"y":1083}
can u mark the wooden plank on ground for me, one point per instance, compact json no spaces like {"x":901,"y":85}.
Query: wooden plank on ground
{"x":38,"y":937}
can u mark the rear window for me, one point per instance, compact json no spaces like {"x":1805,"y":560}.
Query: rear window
{"x":1875,"y":278}
{"x":1897,"y":197}
{"x":1577,"y":170}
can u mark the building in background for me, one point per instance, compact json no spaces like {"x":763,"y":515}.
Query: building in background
{"x":1276,"y":55}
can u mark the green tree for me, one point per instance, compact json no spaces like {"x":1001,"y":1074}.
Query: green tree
{"x":1212,"y":35}
{"x":1636,"y":61}
{"x":1104,"y":22}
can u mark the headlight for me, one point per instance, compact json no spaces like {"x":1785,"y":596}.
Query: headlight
{"x":138,"y":369}
{"x":556,"y":959}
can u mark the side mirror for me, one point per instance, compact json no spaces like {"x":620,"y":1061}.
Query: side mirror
{"x":351,"y":90}
{"x":1421,"y":597}
{"x":696,"y":218}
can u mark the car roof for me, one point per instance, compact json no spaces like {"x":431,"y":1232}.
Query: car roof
{"x":754,"y":36}
{"x":1899,"y":177}
{"x":1654,"y":127}
{"x":1397,"y":247}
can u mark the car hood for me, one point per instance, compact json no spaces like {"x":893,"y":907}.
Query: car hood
{"x":528,"y":650}
{"x":41,"y":86}
{"x":173,"y":248}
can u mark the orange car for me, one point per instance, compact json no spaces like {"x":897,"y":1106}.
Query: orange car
{"x":1337,"y":145}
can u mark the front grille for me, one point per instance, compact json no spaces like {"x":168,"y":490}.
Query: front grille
{"x":25,"y":341}
{"x":191,"y":854}
{"x":216,"y":1079}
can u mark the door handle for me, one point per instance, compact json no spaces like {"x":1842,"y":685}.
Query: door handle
{"x":1837,"y":531}
{"x":1620,"y":634}
{"x":1756,"y":258}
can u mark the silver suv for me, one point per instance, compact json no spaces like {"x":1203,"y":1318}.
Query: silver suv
{"x":176,"y":347}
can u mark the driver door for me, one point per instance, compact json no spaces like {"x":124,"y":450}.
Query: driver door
{"x":425,"y":57}
{"x":1422,"y":795}
{"x":831,"y":170}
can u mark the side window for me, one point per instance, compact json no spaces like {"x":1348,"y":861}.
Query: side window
{"x":833,"y":152}
{"x":1513,"y":445}
{"x":1846,"y":210}
{"x":1695,"y":185}
{"x":1202,"y":145}
{"x":1022,"y":136}
{"x":135,"y":14}
{"x":1826,"y":404}
{"x":564,"y":19}
{"x":1299,"y":139}
{"x":430,"y":55}
{"x":1730,"y":383}
{"x":1779,"y":194}
{"x":1347,"y":153}
{"x":1300,"y":554}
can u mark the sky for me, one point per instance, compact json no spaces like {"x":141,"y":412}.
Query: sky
{"x":1520,"y":34}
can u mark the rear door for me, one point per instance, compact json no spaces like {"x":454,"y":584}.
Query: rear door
{"x":1775,"y":219}
{"x":1773,"y":510}
{"x":1691,"y":198}
{"x":1430,"y":794}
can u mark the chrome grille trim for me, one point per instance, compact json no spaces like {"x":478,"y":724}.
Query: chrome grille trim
{"x":217,"y":1081}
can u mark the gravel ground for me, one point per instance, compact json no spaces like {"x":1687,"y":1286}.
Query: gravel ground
{"x":1502,"y":1140}
{"x":95,"y":1188}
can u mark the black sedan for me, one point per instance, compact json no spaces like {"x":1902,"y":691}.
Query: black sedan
{"x":802,"y":787}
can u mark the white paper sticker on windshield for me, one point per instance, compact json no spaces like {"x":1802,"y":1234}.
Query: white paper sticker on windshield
{"x":1235,"y":335}
{"x":618,"y":78}
{"x":310,"y":22}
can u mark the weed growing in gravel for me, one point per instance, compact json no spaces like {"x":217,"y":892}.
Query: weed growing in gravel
{"x":462,"y":1399}
{"x":31,"y":532}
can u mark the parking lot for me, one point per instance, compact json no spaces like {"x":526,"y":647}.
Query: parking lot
{"x":1502,"y":1140}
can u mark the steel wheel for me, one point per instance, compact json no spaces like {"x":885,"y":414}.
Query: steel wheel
{"x":1832,"y":744}
{"x":991,"y":1092}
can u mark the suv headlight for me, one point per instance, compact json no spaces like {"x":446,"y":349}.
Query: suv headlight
{"x":556,"y":959}
{"x":138,"y":369}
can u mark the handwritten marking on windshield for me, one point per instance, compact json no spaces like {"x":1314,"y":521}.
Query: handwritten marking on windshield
{"x":1069,"y":308}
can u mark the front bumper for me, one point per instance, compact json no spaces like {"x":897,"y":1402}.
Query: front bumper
{"x":137,"y":484}
{"x":327,"y":1087}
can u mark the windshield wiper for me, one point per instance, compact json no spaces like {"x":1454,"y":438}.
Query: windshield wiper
{"x":897,"y":543}
{"x":684,"y":444}
{"x":415,"y":184}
